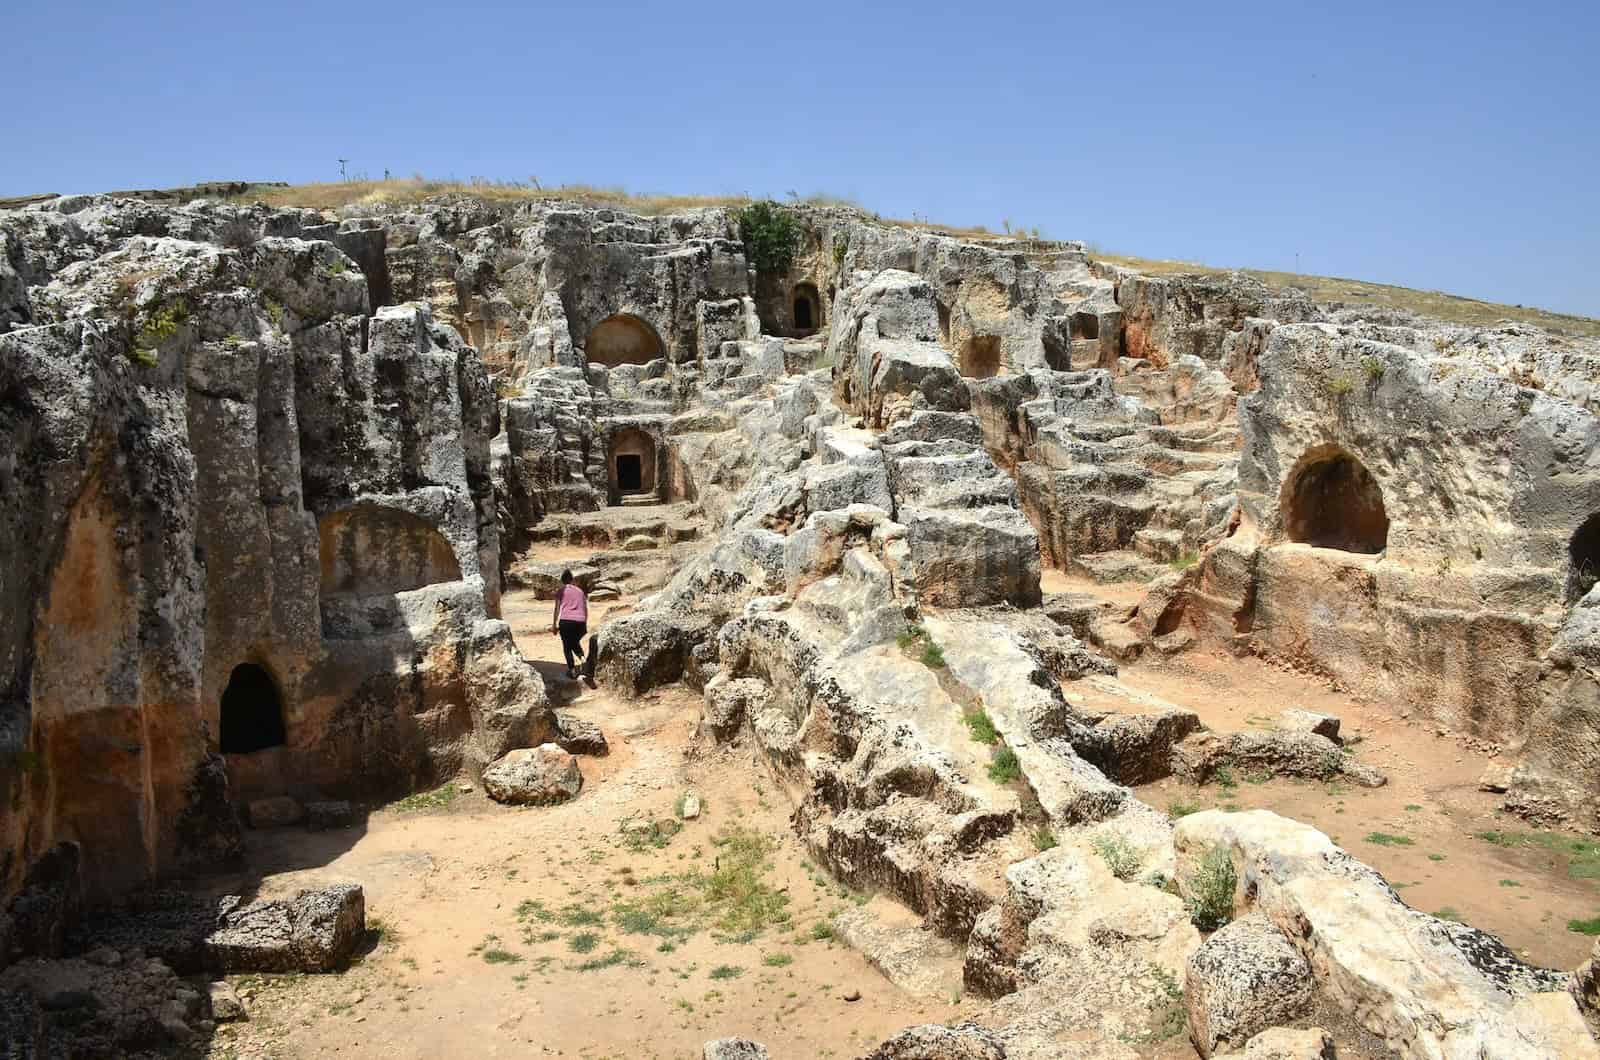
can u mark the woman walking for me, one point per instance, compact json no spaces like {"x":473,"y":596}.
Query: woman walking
{"x":571,"y":620}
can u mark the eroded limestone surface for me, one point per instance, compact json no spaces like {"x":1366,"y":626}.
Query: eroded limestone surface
{"x":275,"y":465}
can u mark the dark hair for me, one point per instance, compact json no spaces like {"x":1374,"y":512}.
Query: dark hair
{"x":566,"y":577}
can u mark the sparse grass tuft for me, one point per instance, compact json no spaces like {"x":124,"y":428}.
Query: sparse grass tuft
{"x":1044,"y":838}
{"x":1582,"y":855}
{"x":1209,"y":892}
{"x":1121,"y":857}
{"x":1004,"y":766}
{"x":778,"y":960}
{"x":726,"y":971}
{"x":1585,"y":927}
{"x":438,"y":799}
{"x":1449,"y":912}
{"x":499,"y":956}
{"x":1185,"y":561}
{"x":737,"y":884}
{"x":981,"y":726}
{"x":916,"y":642}
{"x":1384,"y":839}
{"x":1340,"y":386}
{"x":583,"y":942}
{"x":1179,"y":808}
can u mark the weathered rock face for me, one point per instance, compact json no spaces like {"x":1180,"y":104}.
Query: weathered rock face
{"x":1413,"y":525}
{"x":263,"y":524}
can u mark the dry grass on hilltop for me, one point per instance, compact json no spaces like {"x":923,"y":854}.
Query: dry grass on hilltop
{"x":1436,"y":304}
{"x":1451,"y":308}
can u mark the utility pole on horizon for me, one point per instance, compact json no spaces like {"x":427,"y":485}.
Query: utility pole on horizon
{"x":342,"y":176}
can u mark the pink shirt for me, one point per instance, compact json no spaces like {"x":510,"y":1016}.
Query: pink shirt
{"x":573,"y":604}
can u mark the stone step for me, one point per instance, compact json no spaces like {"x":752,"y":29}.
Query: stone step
{"x":1158,"y":546}
{"x":1105,"y":568}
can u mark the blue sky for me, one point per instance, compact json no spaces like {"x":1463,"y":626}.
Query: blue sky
{"x":1452,"y":146}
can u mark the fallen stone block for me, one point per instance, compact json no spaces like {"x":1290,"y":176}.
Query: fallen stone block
{"x":639,"y":652}
{"x":1297,"y":720}
{"x":329,"y":814}
{"x":46,"y":910}
{"x":277,"y":811}
{"x":1244,"y":979}
{"x":734,"y":1049}
{"x":315,"y":931}
{"x":226,"y":1006}
{"x":579,"y":736}
{"x":532,"y":776}
{"x":964,"y":1041}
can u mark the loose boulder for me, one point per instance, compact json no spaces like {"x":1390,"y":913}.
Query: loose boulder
{"x":533,"y":776}
{"x":579,"y":736}
{"x":964,"y":1041}
{"x":315,"y":931}
{"x":1285,"y":1043}
{"x":1242,"y":980}
{"x":734,"y":1049}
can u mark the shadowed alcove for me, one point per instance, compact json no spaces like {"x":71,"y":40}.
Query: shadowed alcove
{"x":623,"y":339}
{"x":1330,"y":500}
{"x":1583,"y":559}
{"x":252,"y":711}
{"x":633,"y":463}
{"x":807,"y":308}
{"x":980,"y":357}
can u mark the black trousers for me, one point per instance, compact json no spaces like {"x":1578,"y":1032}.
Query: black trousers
{"x":572,"y":639}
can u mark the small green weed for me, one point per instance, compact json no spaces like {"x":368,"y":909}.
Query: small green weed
{"x":1044,"y":838}
{"x":1449,"y":912}
{"x":1341,"y":386}
{"x":1121,"y":857}
{"x":726,"y":971}
{"x":1004,"y":766}
{"x":1384,"y":839}
{"x":778,"y":960}
{"x":981,"y":726}
{"x":499,"y":956}
{"x":1372,"y":366}
{"x":1209,"y":892}
{"x":583,"y":942}
{"x":1585,"y":927}
{"x":438,"y":799}
{"x":1179,"y":808}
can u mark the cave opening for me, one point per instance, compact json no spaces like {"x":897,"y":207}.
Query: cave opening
{"x":252,"y":711}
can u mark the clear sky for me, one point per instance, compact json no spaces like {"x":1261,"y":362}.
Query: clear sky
{"x":1442,"y":145}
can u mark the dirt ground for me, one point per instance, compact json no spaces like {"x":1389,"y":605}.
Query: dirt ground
{"x":578,"y":930}
{"x":1422,"y":830}
{"x":550,"y":932}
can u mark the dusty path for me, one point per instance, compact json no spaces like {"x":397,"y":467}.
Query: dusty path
{"x":547,"y":931}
